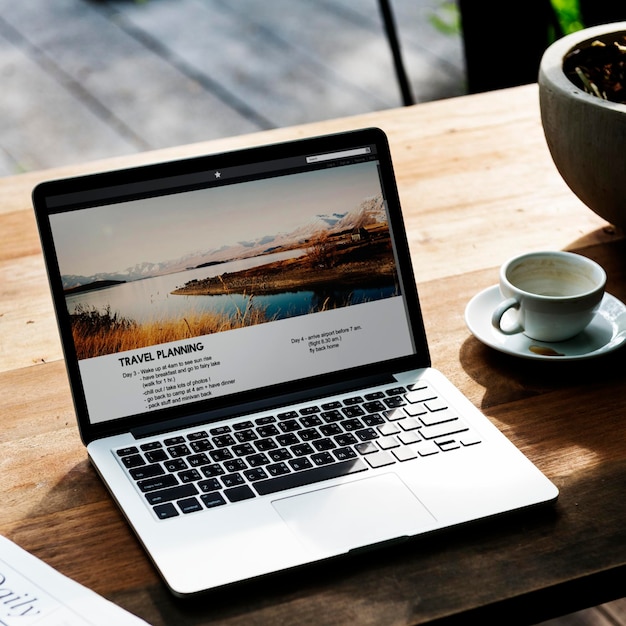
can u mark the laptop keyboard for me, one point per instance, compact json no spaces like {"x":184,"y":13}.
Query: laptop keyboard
{"x":262,"y":455}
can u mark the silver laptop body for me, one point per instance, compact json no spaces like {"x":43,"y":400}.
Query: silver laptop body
{"x":249,"y":366}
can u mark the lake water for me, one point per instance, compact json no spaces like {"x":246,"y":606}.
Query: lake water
{"x":151,"y":299}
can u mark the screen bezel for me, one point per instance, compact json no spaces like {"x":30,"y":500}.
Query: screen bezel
{"x":122,"y":185}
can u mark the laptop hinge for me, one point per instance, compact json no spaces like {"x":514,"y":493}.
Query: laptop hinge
{"x":246,"y":408}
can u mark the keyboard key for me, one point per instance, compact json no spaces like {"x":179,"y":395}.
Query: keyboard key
{"x":281,"y":454}
{"x":409,"y":437}
{"x":268,"y":419}
{"x":374,"y":407}
{"x":154,"y":456}
{"x":265,"y":444}
{"x":389,"y":442}
{"x":469,"y":439}
{"x":421,"y":395}
{"x":443,"y":430}
{"x":287,"y":440}
{"x":329,"y":430}
{"x":302,"y":449}
{"x":277,"y":469}
{"x":289,"y":426}
{"x":404,"y":453}
{"x":246,"y":435}
{"x":366,"y":448}
{"x":308,"y":434}
{"x":214,"y":469}
{"x":212,"y":499}
{"x":222,"y":454}
{"x":332,"y":416}
{"x":449,"y":444}
{"x":220,"y":430}
{"x":438,"y":404}
{"x":347,"y":439}
{"x":366,"y":434}
{"x":173,"y":493}
{"x":175,"y":465}
{"x":353,"y":411}
{"x":235,"y":465}
{"x":197,"y":460}
{"x":395,"y":401}
{"x":375,"y":419}
{"x":343,"y":454}
{"x":309,"y":421}
{"x":189,"y":505}
{"x":236,"y":494}
{"x":309,"y":410}
{"x":128,"y":450}
{"x":409,"y":423}
{"x":255,"y":460}
{"x":151,"y":445}
{"x":134,"y":460}
{"x":165,"y":511}
{"x":323,"y":458}
{"x":147,"y":471}
{"x":307,"y":477}
{"x":158,"y":482}
{"x":256,"y":473}
{"x":174,"y":441}
{"x":231,"y":480}
{"x":353,"y":400}
{"x":287,"y":415}
{"x":267,"y":431}
{"x":202,"y":445}
{"x":352,"y":424}
{"x":430,"y":419}
{"x":201,"y":434}
{"x":300,"y":464}
{"x":221,"y":441}
{"x":324,"y":444}
{"x":395,"y":414}
{"x":329,"y":406}
{"x":389,"y":428}
{"x":211,"y":484}
{"x":189,"y":476}
{"x":380,"y":459}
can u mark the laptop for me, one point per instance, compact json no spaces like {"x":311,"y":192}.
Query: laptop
{"x":248,"y":362}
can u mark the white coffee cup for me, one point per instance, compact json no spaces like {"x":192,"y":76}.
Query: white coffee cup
{"x":554,"y":295}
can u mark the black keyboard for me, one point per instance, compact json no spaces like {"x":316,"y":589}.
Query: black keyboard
{"x":262,"y":455}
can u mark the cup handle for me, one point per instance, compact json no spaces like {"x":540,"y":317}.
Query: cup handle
{"x":500,"y":310}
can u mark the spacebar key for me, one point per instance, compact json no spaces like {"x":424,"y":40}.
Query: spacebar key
{"x":306,"y":477}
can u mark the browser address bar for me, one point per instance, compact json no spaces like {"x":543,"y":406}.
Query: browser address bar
{"x":337,"y":155}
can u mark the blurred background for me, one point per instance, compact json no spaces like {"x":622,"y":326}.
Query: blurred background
{"x":88,"y":79}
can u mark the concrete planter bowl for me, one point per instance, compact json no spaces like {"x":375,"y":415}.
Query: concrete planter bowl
{"x":586,"y":134}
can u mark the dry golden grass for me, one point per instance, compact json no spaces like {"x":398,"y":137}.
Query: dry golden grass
{"x":98,"y":333}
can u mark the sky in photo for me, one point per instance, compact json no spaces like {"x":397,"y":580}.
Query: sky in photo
{"x":114,"y":237}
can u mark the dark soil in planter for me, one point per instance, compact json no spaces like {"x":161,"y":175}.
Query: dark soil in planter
{"x":599,"y":69}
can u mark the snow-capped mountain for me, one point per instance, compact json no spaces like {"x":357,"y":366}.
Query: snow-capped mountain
{"x":370,"y":211}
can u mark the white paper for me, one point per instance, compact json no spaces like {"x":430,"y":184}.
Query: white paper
{"x":33,"y":593}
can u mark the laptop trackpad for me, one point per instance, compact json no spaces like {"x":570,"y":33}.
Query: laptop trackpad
{"x":363,"y":512}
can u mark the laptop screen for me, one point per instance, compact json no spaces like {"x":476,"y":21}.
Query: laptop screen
{"x":216,"y":278}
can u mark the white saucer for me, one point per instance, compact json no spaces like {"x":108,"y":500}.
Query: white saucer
{"x":606,"y":332}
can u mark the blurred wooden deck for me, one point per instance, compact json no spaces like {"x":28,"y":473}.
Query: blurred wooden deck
{"x":85,"y":79}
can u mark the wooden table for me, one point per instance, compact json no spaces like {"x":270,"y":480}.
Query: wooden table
{"x":477,"y":185}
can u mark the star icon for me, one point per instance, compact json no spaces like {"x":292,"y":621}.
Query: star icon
{"x":218,"y":174}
